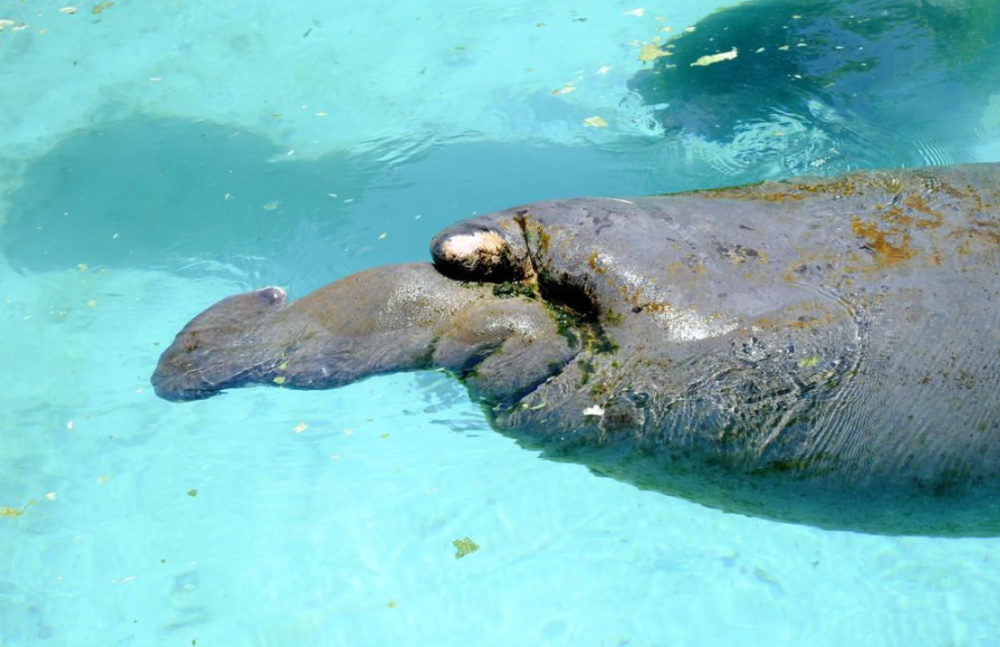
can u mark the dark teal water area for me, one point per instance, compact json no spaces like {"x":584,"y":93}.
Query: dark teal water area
{"x":888,"y":83}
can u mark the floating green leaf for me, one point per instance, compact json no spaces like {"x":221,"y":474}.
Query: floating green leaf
{"x":464,"y":547}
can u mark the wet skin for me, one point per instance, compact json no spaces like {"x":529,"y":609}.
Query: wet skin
{"x":816,"y":351}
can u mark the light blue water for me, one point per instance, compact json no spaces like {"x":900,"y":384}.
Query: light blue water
{"x":157,"y":157}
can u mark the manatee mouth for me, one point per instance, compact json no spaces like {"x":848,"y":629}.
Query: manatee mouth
{"x":511,"y":249}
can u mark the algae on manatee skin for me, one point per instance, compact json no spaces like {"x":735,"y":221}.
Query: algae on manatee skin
{"x":613,"y":318}
{"x":602,"y":344}
{"x":566,"y":324}
{"x":510,"y":289}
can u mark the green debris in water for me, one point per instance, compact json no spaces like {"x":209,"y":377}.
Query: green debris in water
{"x":595,"y":122}
{"x":10,"y":511}
{"x":464,"y":547}
{"x":809,"y":361}
{"x":716,"y":58}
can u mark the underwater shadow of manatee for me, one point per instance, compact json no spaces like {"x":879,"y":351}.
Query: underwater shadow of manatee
{"x":196,"y":197}
{"x":165,"y":193}
{"x":898,"y":83}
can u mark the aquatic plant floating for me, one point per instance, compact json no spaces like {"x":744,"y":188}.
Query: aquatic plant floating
{"x":651,"y":52}
{"x":716,"y":58}
{"x":464,"y":547}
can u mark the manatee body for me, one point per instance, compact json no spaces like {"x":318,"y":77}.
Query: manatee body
{"x":817,"y":351}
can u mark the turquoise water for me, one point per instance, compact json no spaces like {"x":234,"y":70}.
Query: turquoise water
{"x":158,"y":157}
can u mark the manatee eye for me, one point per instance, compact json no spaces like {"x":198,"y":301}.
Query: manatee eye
{"x":475,"y":254}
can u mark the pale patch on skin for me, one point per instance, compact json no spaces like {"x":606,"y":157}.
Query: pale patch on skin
{"x":680,"y":324}
{"x":688,"y":325}
{"x":412,"y":305}
{"x":483,"y":244}
{"x":522,"y":326}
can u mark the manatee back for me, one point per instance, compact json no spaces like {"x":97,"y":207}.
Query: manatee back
{"x":839,"y":333}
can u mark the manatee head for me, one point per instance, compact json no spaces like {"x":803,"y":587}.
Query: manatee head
{"x":218,"y":349}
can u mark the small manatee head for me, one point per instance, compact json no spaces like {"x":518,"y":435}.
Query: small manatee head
{"x":221,"y":347}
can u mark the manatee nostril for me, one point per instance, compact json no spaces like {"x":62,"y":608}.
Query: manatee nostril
{"x":481,"y":246}
{"x":273,"y":295}
{"x":476,"y":253}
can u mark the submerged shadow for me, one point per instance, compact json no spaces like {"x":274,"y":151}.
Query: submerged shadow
{"x":196,"y":198}
{"x":166,"y":193}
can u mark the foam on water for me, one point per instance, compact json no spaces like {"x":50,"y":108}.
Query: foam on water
{"x":146,"y":174}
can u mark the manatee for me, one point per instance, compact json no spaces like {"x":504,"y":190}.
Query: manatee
{"x":857,"y":75}
{"x":817,"y":351}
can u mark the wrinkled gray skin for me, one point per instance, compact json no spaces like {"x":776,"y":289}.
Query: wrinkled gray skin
{"x":821,"y":351}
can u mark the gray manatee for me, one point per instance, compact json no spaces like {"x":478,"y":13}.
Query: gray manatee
{"x":819,"y":351}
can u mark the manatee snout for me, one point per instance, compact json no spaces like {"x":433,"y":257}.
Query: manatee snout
{"x":218,"y":348}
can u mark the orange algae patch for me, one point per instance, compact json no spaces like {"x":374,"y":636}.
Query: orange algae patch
{"x":887,"y":251}
{"x":592,"y":261}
